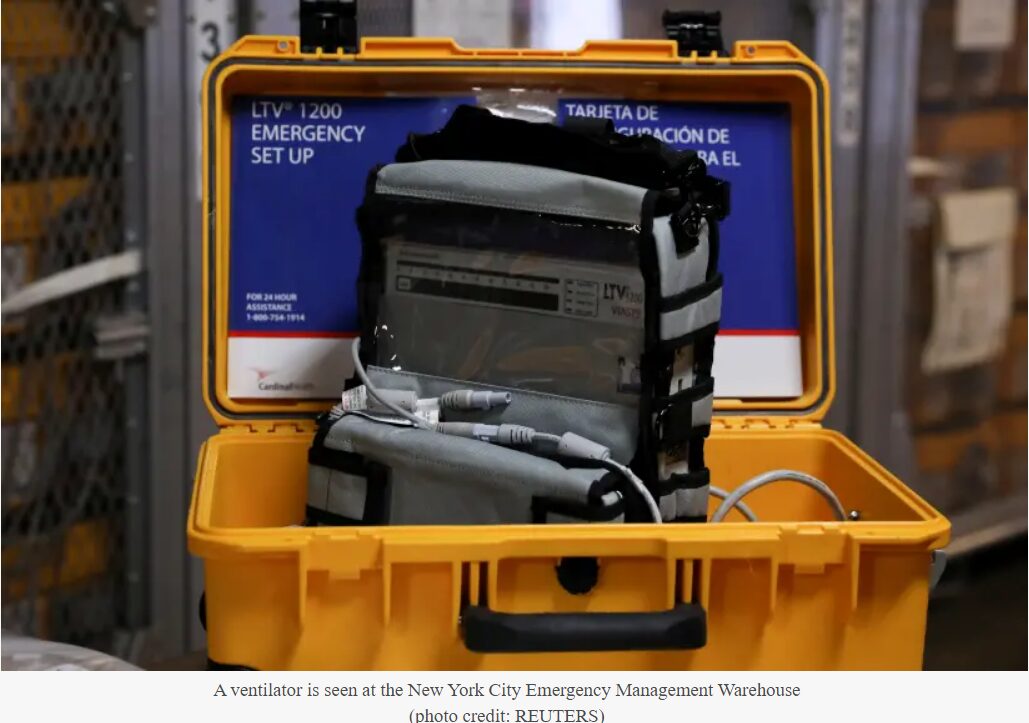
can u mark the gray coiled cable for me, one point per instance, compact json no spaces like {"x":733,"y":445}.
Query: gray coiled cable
{"x":778,"y":475}
{"x":743,"y":507}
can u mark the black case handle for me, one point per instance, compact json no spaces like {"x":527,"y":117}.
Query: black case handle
{"x":684,"y":627}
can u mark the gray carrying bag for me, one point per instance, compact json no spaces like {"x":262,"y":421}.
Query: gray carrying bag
{"x":366,"y":471}
{"x":594,"y":302}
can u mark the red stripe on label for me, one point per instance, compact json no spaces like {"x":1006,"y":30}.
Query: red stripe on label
{"x":295,"y":334}
{"x":759,"y":332}
{"x":354,"y":334}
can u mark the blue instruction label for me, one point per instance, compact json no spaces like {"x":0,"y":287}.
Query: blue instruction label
{"x":299,"y":168}
{"x":748,"y":145}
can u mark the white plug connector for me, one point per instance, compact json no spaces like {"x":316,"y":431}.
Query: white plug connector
{"x":468,"y":399}
{"x":572,"y":445}
{"x":358,"y":399}
{"x":508,"y":435}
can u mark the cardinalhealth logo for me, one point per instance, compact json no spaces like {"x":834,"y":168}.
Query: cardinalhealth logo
{"x":271,"y":386}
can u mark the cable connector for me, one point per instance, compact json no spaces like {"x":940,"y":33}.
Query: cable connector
{"x":468,"y":399}
{"x":507,"y":435}
{"x":572,"y":445}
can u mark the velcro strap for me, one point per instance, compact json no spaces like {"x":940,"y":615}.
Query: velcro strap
{"x":694,"y":309}
{"x":686,"y":224}
{"x":349,"y":462}
{"x":691,"y":295}
{"x":682,"y":415}
{"x":348,"y":486}
{"x":706,"y":198}
{"x":687,"y":480}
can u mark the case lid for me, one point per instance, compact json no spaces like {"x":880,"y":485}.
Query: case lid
{"x":289,"y":138}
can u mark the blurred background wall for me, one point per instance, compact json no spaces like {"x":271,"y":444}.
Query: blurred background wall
{"x":102,"y":410}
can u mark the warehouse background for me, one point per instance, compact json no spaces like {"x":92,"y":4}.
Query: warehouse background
{"x":102,"y":411}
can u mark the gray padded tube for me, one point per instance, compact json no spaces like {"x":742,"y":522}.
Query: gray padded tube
{"x":514,"y":186}
{"x":437,"y":479}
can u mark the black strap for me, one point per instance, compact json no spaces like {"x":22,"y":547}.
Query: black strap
{"x":608,"y":482}
{"x":703,"y":198}
{"x":674,"y":423}
{"x":323,"y":423}
{"x":476,"y":134}
{"x":694,"y":479}
{"x":337,"y":459}
{"x":375,"y":474}
{"x":593,"y":509}
{"x":317,"y":517}
{"x":589,"y":126}
{"x":691,"y":295}
{"x":686,"y":228}
{"x":704,"y":356}
{"x":544,"y":506}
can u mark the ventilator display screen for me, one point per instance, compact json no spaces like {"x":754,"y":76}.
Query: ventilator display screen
{"x":494,"y":288}
{"x":503,"y":318}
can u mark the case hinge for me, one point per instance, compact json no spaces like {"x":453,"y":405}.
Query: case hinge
{"x":328,"y":25}
{"x":279,"y":427}
{"x":759,"y":423}
{"x":694,"y":31}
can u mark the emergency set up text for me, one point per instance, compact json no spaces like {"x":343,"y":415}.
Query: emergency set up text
{"x":330,"y":126}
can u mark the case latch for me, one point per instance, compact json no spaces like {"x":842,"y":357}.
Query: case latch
{"x":329,"y":25}
{"x":694,"y":31}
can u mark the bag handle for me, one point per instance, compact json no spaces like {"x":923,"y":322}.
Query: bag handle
{"x":684,"y":627}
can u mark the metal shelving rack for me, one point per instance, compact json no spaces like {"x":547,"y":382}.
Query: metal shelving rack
{"x":74,"y":355}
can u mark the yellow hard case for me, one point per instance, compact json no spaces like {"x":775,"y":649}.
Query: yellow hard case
{"x":793,"y":591}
